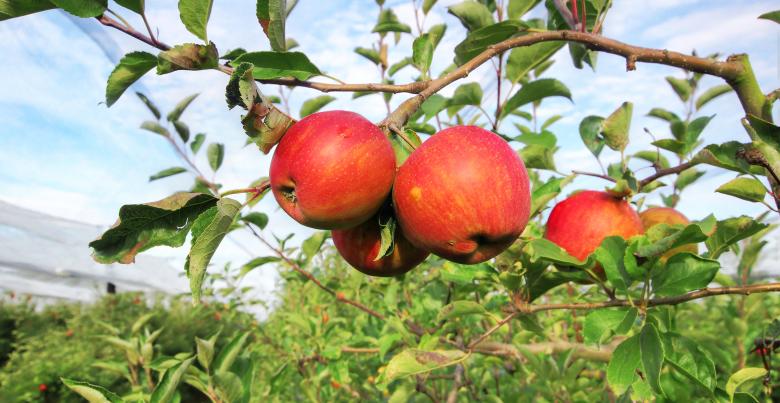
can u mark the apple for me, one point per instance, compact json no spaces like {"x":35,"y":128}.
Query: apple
{"x":332,"y":170}
{"x":359,"y":246}
{"x":579,"y":223}
{"x":463,"y":195}
{"x":667,"y":215}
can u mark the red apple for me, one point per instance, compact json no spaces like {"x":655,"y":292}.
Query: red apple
{"x":463,"y":194}
{"x":332,"y":170}
{"x":667,"y":215}
{"x":579,"y":223}
{"x":360,"y":245}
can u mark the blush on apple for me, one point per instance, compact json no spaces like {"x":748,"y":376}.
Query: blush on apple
{"x":360,"y":245}
{"x":332,"y":170}
{"x":579,"y":223}
{"x":667,"y":215}
{"x":463,"y":195}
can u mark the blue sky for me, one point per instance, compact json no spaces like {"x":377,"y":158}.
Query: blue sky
{"x":63,"y":152}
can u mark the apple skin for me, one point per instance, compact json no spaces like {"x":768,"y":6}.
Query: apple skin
{"x":332,"y":170}
{"x":360,"y":245}
{"x":463,"y":194}
{"x":667,"y":215}
{"x":579,"y":223}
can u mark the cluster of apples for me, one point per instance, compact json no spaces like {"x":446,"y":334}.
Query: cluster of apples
{"x":463,"y":194}
{"x":581,"y":222}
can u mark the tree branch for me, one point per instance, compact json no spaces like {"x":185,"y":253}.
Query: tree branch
{"x":605,"y":177}
{"x":664,"y":172}
{"x":677,"y":299}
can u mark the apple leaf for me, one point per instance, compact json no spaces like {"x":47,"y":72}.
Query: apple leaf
{"x":207,"y":233}
{"x":684,"y":272}
{"x":542,"y":249}
{"x":427,"y":5}
{"x":672,"y":145}
{"x":541,"y":195}
{"x":538,"y":156}
{"x":312,"y":245}
{"x":663,"y":114}
{"x":771,"y":16}
{"x":479,"y":40}
{"x":90,"y":392}
{"x":466,"y":94}
{"x":422,"y":53}
{"x":523,"y":60}
{"x":166,"y":388}
{"x":616,"y":126}
{"x":149,"y":105}
{"x":387,"y":237}
{"x":13,"y":9}
{"x":600,"y":325}
{"x":653,"y":157}
{"x":315,"y":104}
{"x":749,"y":189}
{"x":668,"y":237}
{"x":681,"y":87}
{"x":626,"y":359}
{"x":82,"y":8}
{"x":730,"y":231}
{"x":370,"y":54}
{"x":535,"y":91}
{"x":518,"y":8}
{"x":269,"y":65}
{"x":401,"y":147}
{"x":143,"y":226}
{"x":590,"y":127}
{"x":473,"y":15}
{"x":388,"y":22}
{"x":272,"y":15}
{"x":652,"y":353}
{"x":466,"y":274}
{"x":255,"y":263}
{"x":611,"y":255}
{"x":167,"y":172}
{"x":136,"y":6}
{"x":188,"y":56}
{"x":433,"y":105}
{"x":723,"y":156}
{"x":742,"y":376}
{"x":195,"y":145}
{"x":183,"y":130}
{"x":711,"y":94}
{"x":458,"y":309}
{"x":688,"y":358}
{"x":176,"y":113}
{"x":395,"y":67}
{"x":414,"y":362}
{"x":195,"y":16}
{"x":216,"y":154}
{"x":131,"y":67}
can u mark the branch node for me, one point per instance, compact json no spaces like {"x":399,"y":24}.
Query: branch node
{"x":631,"y":62}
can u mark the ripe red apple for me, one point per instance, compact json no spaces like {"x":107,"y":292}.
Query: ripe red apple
{"x":463,"y":195}
{"x":332,"y":170}
{"x":667,"y":215}
{"x":579,"y":223}
{"x":360,"y":245}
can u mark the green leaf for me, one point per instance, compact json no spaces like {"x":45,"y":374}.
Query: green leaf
{"x":370,"y":54}
{"x":626,"y":359}
{"x":82,"y":8}
{"x":413,"y":362}
{"x":315,"y":104}
{"x":422,"y":53}
{"x":92,"y":393}
{"x":692,"y":362}
{"x":200,"y":138}
{"x":466,"y":274}
{"x":436,"y":33}
{"x":693,"y":130}
{"x":687,"y":177}
{"x":401,"y":147}
{"x":227,"y":356}
{"x":771,"y":16}
{"x":652,"y":352}
{"x":684,"y":272}
{"x":311,"y":246}
{"x":141,"y":322}
{"x":472,"y":15}
{"x":616,"y":126}
{"x":541,"y":195}
{"x":458,"y":309}
{"x":427,"y":5}
{"x":730,"y":231}
{"x":523,"y":60}
{"x":132,"y":5}
{"x":663,"y":114}
{"x":166,"y":389}
{"x":602,"y":324}
{"x":711,"y":94}
{"x":742,"y":376}
{"x":394,"y":68}
{"x":611,"y":255}
{"x":675,"y":146}
{"x":233,"y":54}
{"x":388,"y":22}
{"x":386,"y":238}
{"x":268,"y":65}
{"x":195,"y":16}
{"x":680,"y":86}
{"x":723,"y":156}
{"x":664,"y":237}
{"x":545,"y":138}
{"x":749,"y":189}
{"x":216,"y":154}
{"x":130,"y":68}
{"x":12,"y":9}
{"x":155,"y":127}
{"x":166,"y":173}
{"x":535,"y":91}
{"x":175,"y":114}
{"x":149,"y":104}
{"x":653,"y":157}
{"x":229,"y":387}
{"x":272,"y":15}
{"x":590,"y":127}
{"x":205,"y":349}
{"x":538,"y":157}
{"x":188,"y":56}
{"x":466,"y":94}
{"x":256,"y":218}
{"x":182,"y":129}
{"x":518,"y":8}
{"x":207,"y":233}
{"x":542,"y":249}
{"x":143,"y":226}
{"x":433,"y":105}
{"x":479,"y":39}
{"x":255,"y":263}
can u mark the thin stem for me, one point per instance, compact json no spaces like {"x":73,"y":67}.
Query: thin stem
{"x":664,"y":172}
{"x":148,"y":28}
{"x":499,"y":73}
{"x":605,"y":177}
{"x":124,"y":21}
{"x":262,"y":187}
{"x":492,"y":330}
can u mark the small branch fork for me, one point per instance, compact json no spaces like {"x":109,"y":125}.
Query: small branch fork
{"x":659,"y":173}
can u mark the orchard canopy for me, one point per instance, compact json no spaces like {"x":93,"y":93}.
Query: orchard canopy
{"x":447,"y":256}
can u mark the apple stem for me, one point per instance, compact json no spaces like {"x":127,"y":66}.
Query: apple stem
{"x":402,"y":135}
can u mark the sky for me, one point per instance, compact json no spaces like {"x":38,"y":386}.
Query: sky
{"x":63,"y":152}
